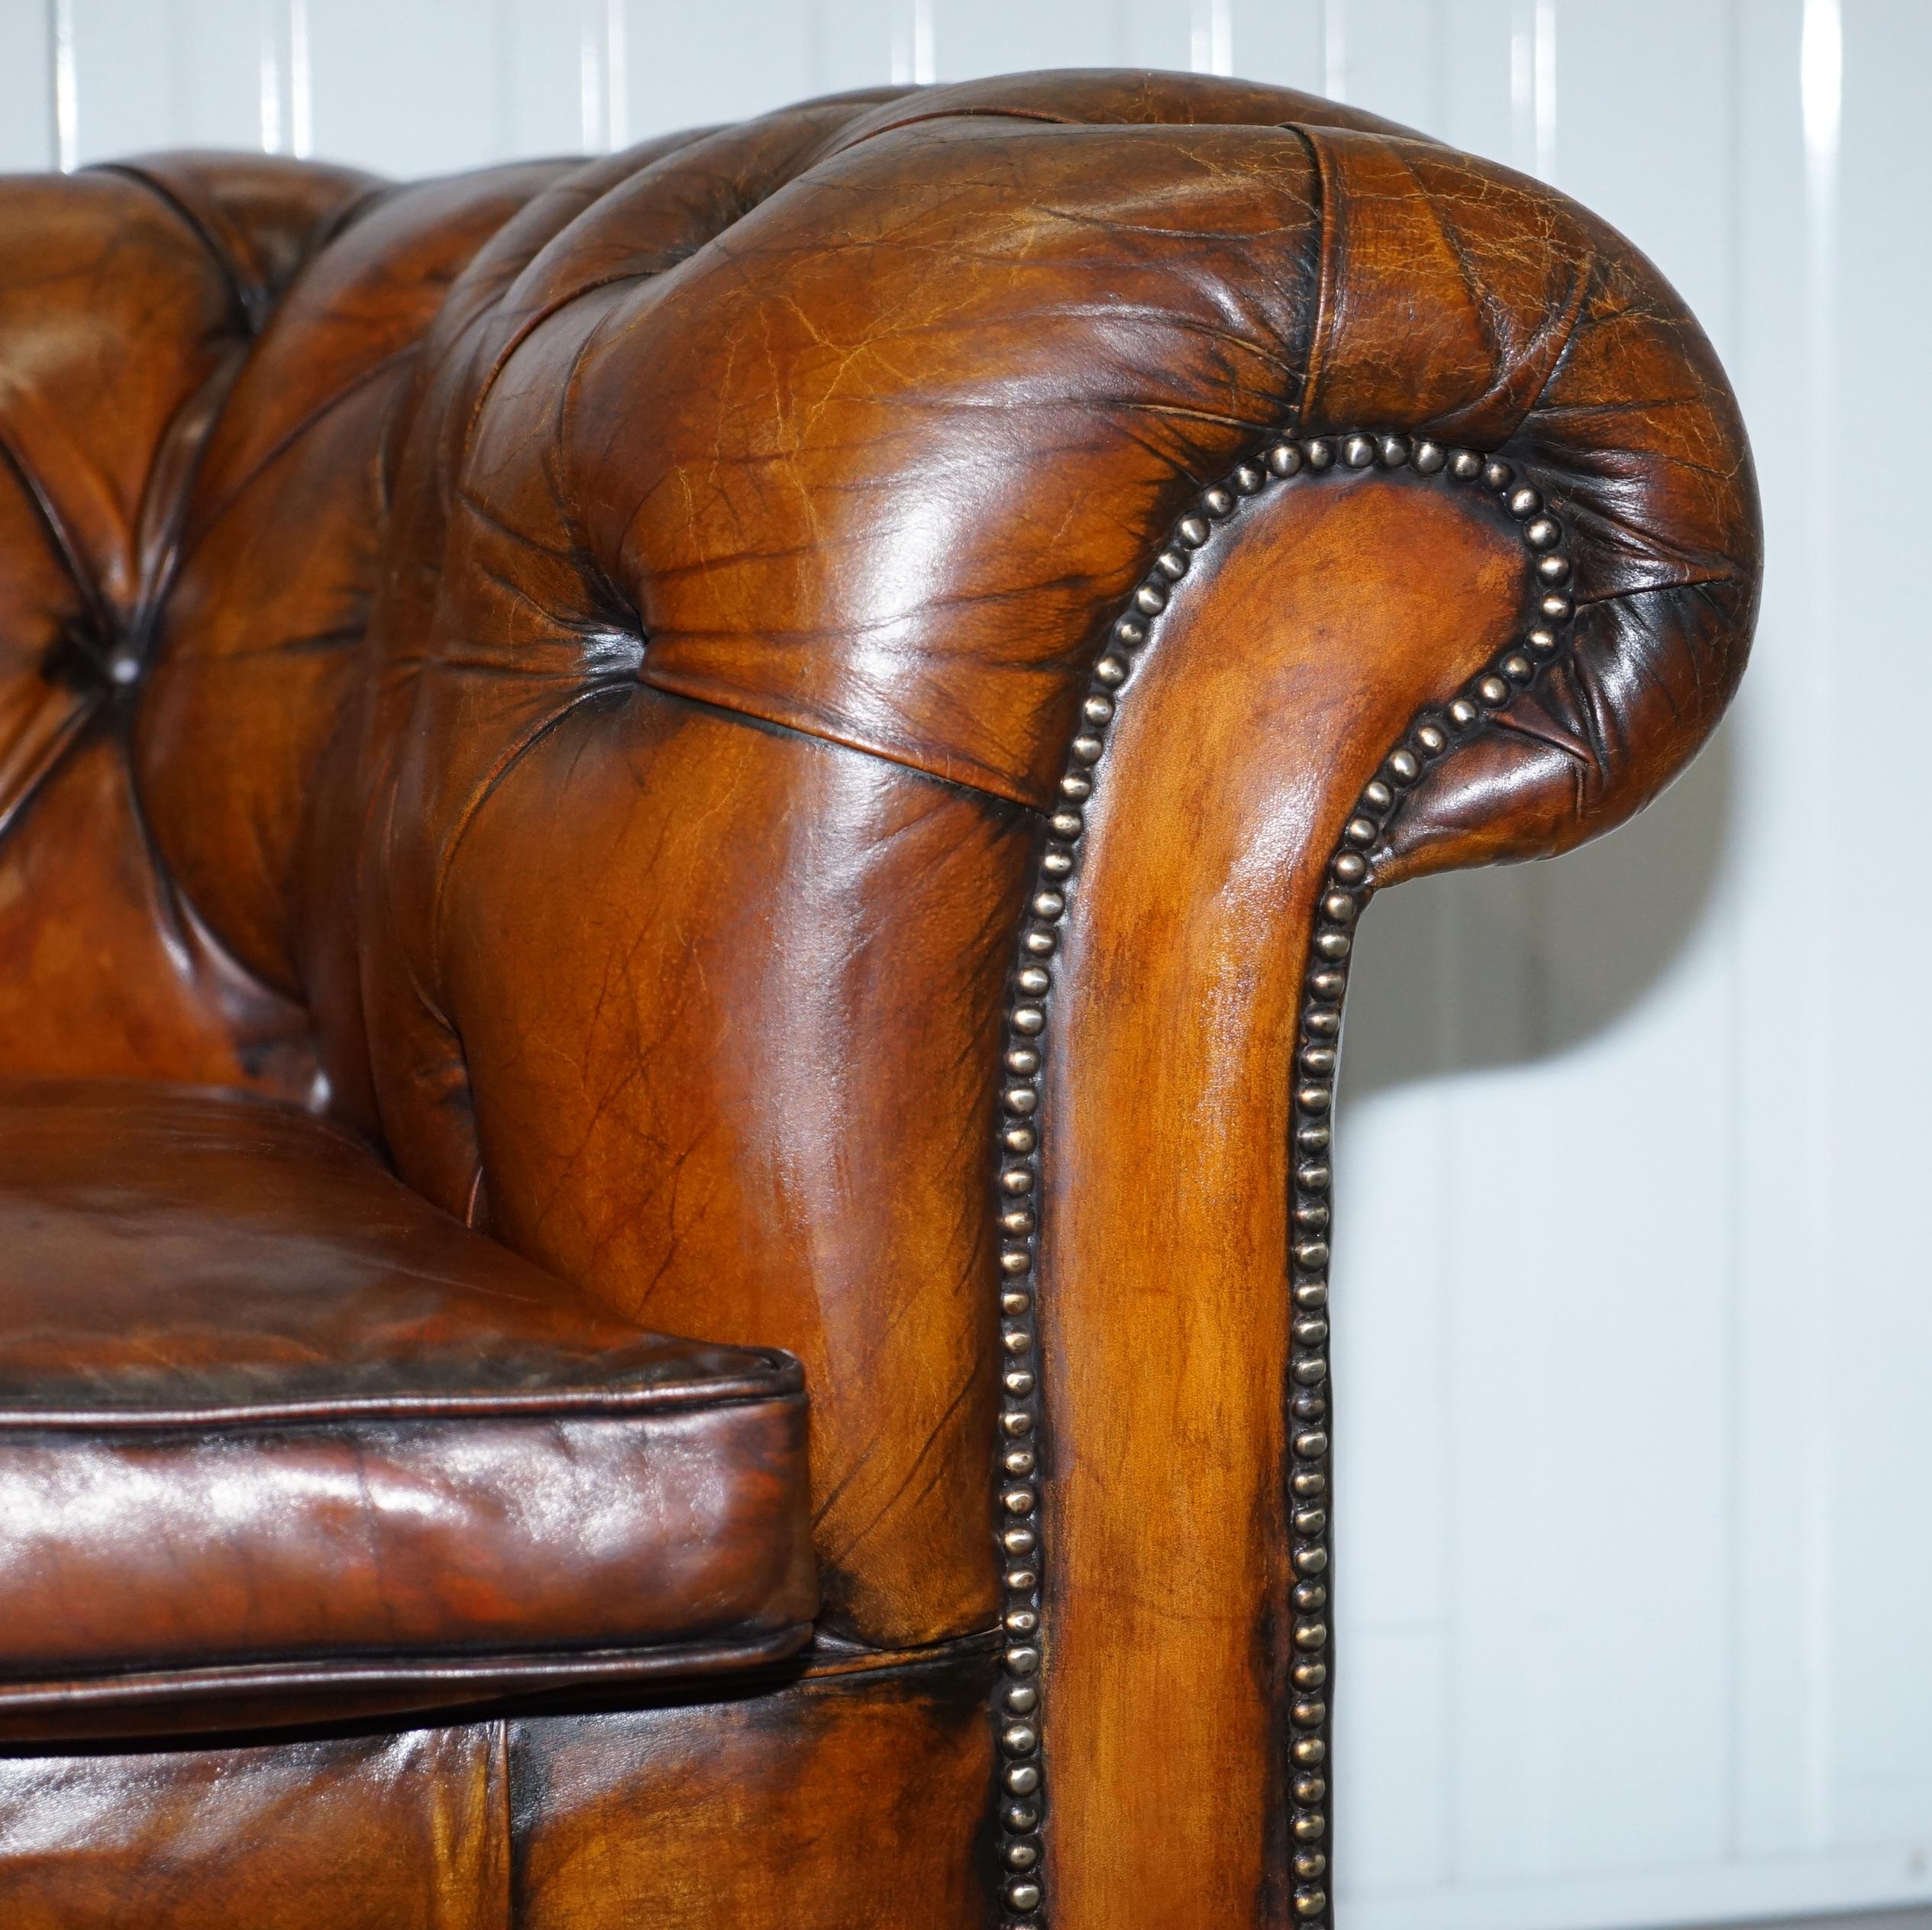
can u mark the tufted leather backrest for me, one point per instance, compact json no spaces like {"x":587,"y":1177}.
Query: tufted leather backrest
{"x":611,"y":634}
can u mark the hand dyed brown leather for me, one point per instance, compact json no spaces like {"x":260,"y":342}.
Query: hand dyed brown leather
{"x":793,"y":726}
{"x":274,"y":1431}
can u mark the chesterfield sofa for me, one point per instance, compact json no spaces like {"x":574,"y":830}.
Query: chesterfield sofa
{"x":778,"y":738}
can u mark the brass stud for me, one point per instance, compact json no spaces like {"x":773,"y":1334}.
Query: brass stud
{"x":1284,"y":459}
{"x":1310,"y":1373}
{"x":1019,"y":1739}
{"x":1019,"y":1541}
{"x":1056,"y":864}
{"x":1313,"y":1098}
{"x":1172,"y":564}
{"x":1022,"y":1621}
{"x":1022,"y":1779}
{"x":1028,"y":1018}
{"x":1018,"y":1139}
{"x":1351,"y":868}
{"x":1111,"y":669}
{"x":1497,"y":474}
{"x":1313,"y":1218}
{"x":1523,"y":501}
{"x":1309,"y":1675}
{"x":1310,"y":1520}
{"x":1016,"y":1179}
{"x":1192,"y":531}
{"x":1315,"y":1178}
{"x":1310,"y":1595}
{"x":1431,"y":739}
{"x":1517,"y":668}
{"x":1404,"y":767}
{"x":1247,"y":478}
{"x":1017,"y":1421}
{"x":1016,"y":1340}
{"x":1309,"y":1862}
{"x":1309,"y":1789}
{"x":1358,"y":452}
{"x":1543,"y":641}
{"x":1327,"y":1023}
{"x":1034,"y":979}
{"x":1019,"y":1099}
{"x":1334,"y":945}
{"x":1019,"y":1461}
{"x":1493,"y":691}
{"x":1022,"y":1660}
{"x":1310,"y":1829}
{"x":1311,"y":1295}
{"x":1098,"y":710}
{"x":1019,"y":1383}
{"x":1021,"y":1856}
{"x":1130,"y":631}
{"x":1151,"y":599}
{"x":1309,"y":1482}
{"x":1318,"y":1059}
{"x":1023,"y":1896}
{"x":1022,"y":1816}
{"x":1216,"y":501}
{"x":1559,"y":606}
{"x":1066,"y":824}
{"x":1311,"y":1446}
{"x":1462,"y":713}
{"x":1018,"y":1501}
{"x":1341,"y":906}
{"x":1330,"y":986}
{"x":1465,"y":465}
{"x":1087,"y":748}
{"x":1553,"y":568}
{"x":1392,"y":451}
{"x":1015,"y":1261}
{"x":1360,"y":830}
{"x":1311,"y":1634}
{"x":1311,"y":1332}
{"x":1013,"y":1303}
{"x":1310,"y":1560}
{"x":1376,"y":796}
{"x":1428,"y":457}
{"x":1310,"y":1715}
{"x":1544,"y":534}
{"x":1042,"y":944}
{"x":1048,"y":905}
{"x":1319,"y":452}
{"x":1308,"y":1750}
{"x":1017,"y":1223}
{"x":1310,"y":1902}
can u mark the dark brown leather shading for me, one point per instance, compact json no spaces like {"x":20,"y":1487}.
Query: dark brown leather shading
{"x":269,"y":1422}
{"x":378,"y":1832}
{"x":574,"y":670}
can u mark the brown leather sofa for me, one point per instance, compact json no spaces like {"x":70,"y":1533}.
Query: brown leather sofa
{"x":777,"y":737}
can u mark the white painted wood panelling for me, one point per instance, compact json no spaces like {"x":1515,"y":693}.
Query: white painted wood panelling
{"x":1635,"y":1307}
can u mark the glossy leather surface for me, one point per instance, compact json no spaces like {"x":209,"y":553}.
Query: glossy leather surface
{"x":272,"y":1426}
{"x":567,"y":670}
{"x":829,"y":1803}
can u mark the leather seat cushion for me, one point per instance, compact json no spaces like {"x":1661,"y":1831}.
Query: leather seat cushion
{"x":280,"y":1440}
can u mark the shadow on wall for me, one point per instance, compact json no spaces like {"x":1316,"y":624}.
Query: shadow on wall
{"x":1488,"y":970}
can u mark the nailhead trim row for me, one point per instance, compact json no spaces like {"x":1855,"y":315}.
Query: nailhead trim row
{"x":1431,"y":734}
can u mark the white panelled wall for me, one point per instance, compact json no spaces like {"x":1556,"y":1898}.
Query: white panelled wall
{"x":1636,"y":1334}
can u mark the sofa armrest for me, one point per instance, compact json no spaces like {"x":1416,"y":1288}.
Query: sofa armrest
{"x":975,"y":606}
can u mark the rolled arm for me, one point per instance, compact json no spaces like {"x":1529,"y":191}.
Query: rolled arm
{"x":1111,"y":529}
